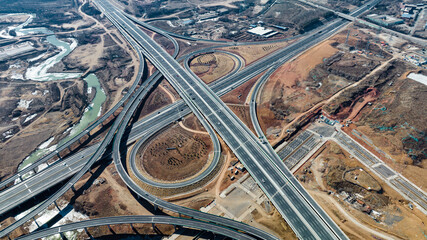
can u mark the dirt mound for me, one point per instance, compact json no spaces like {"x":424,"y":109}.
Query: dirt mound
{"x":175,"y":154}
{"x":212,"y":66}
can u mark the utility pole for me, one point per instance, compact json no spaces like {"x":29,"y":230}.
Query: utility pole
{"x":346,"y":40}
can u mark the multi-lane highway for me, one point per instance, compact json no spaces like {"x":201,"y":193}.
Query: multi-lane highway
{"x":31,"y":187}
{"x":158,"y":202}
{"x":224,"y":86}
{"x":152,"y":123}
{"x":126,"y":113}
{"x":409,"y":190}
{"x":137,"y":96}
{"x":301,"y":212}
{"x":49,"y":156}
{"x":184,"y":222}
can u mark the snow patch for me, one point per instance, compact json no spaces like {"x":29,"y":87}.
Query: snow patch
{"x":8,"y":133}
{"x":42,"y":166}
{"x":37,"y":58}
{"x":71,"y":216}
{"x":24,"y":103}
{"x":16,"y":76}
{"x":418,"y":77}
{"x":15,"y":65}
{"x":68,"y":130}
{"x":39,"y":73}
{"x":170,"y":24}
{"x":30,"y":117}
{"x":47,"y":143}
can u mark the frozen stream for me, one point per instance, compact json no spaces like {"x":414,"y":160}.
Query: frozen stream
{"x":39,"y":72}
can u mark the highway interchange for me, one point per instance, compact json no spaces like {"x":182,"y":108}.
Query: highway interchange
{"x":302,"y":213}
{"x":305,"y":217}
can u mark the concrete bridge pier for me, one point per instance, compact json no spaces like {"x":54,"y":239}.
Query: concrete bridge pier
{"x":63,"y":237}
{"x":34,"y":219}
{"x":111,"y":230}
{"x":134,"y":229}
{"x":56,"y":205}
{"x":88,"y":234}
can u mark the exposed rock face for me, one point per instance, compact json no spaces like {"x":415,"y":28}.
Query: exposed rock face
{"x":75,"y":100}
{"x":31,"y":112}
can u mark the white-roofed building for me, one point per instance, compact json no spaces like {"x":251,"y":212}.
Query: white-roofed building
{"x":262,"y":31}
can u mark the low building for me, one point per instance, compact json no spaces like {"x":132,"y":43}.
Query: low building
{"x":262,"y":31}
{"x":384,"y":20}
{"x":208,"y":15}
{"x":222,"y":11}
{"x":186,"y":22}
{"x":281,"y":28}
{"x":407,"y":15}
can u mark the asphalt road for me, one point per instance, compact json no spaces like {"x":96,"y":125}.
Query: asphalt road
{"x":61,"y":170}
{"x":327,"y":29}
{"x":121,"y":169}
{"x":229,"y":83}
{"x":308,"y":221}
{"x":136,"y":96}
{"x":184,"y":222}
{"x":125,"y":115}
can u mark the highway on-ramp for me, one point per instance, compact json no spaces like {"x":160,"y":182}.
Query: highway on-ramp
{"x":184,"y":222}
{"x":302,"y":213}
{"x":179,"y":109}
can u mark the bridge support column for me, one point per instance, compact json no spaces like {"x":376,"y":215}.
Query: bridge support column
{"x":154,"y":226}
{"x":59,"y":157}
{"x":134,"y":229}
{"x":155,"y":207}
{"x":88,"y":233}
{"x":111,"y":230}
{"x":38,"y":226}
{"x":179,"y":215}
{"x":73,"y":189}
{"x":63,"y":237}
{"x":20,"y":178}
{"x":56,"y":205}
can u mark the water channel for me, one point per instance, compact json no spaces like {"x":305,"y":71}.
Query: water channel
{"x":39,"y":72}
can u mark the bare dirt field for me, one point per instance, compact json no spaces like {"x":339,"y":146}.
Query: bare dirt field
{"x":251,"y":53}
{"x":175,"y":154}
{"x":393,"y":121}
{"x":301,"y":84}
{"x":243,"y":113}
{"x":32,"y":112}
{"x":240,"y":94}
{"x":284,"y":95}
{"x":157,"y":99}
{"x":274,"y":222}
{"x":359,"y":210}
{"x":48,"y":109}
{"x":212,"y":66}
{"x":193,"y":123}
